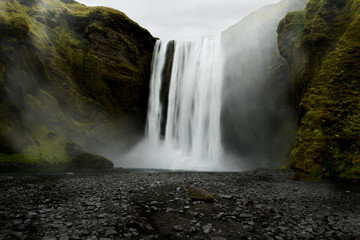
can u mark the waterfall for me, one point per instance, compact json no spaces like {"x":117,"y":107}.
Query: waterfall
{"x":191,"y":120}
{"x":220,"y":103}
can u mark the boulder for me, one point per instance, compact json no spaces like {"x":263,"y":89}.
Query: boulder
{"x":199,"y":194}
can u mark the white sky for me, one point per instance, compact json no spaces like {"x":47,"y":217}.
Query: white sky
{"x":183,"y":19}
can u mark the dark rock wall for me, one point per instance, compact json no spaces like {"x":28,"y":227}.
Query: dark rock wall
{"x":257,"y":117}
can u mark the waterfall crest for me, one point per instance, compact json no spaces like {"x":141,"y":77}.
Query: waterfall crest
{"x":191,"y":120}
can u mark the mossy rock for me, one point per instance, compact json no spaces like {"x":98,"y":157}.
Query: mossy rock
{"x":91,"y":161}
{"x":322,"y":47}
{"x":199,"y":194}
{"x":75,"y":71}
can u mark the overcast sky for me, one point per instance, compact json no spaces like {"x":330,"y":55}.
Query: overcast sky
{"x":183,"y":19}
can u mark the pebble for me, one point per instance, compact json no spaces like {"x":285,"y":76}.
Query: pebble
{"x":207,"y":228}
{"x":169,"y":210}
{"x":224,"y":196}
{"x":110,"y":232}
{"x":261,"y":204}
{"x":48,"y":238}
{"x":177,"y":228}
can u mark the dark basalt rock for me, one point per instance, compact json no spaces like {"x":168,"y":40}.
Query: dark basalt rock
{"x":91,"y":161}
{"x":84,"y":160}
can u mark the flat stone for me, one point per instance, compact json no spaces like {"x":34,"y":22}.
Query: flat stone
{"x":245,"y":215}
{"x":110,"y":232}
{"x":219,"y":216}
{"x":92,"y":238}
{"x":127,"y":235}
{"x":21,"y":227}
{"x":225,"y":196}
{"x":19,"y":235}
{"x":103,"y":215}
{"x":177,"y":228}
{"x":48,"y":238}
{"x":27,"y":221}
{"x":32,"y":215}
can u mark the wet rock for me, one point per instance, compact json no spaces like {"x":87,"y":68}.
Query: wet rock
{"x":245,"y":215}
{"x":127,"y":235}
{"x":169,"y":210}
{"x":91,"y":238}
{"x":305,"y":236}
{"x":32,"y":215}
{"x":27,"y":222}
{"x":48,"y":238}
{"x":142,"y":227}
{"x":225,"y":196}
{"x":219,"y":216}
{"x":177,"y":228}
{"x":21,"y":227}
{"x":110,"y":232}
{"x":207,"y":228}
{"x":264,"y":225}
{"x":19,"y":235}
{"x":103,"y":215}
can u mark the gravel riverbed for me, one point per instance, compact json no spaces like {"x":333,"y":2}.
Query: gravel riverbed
{"x":260,"y":204}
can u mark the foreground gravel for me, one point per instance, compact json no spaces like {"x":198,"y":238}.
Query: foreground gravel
{"x":261,"y":204}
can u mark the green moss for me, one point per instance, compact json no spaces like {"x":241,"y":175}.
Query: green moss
{"x":326,"y":89}
{"x":47,"y":147}
{"x":2,"y":71}
{"x":17,"y":158}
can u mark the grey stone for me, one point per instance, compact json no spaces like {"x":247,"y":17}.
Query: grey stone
{"x":207,"y":228}
{"x":177,"y":228}
{"x":48,"y":238}
{"x":110,"y":232}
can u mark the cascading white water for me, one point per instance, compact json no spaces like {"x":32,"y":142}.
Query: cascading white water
{"x":220,"y":103}
{"x":155,"y":108}
{"x":194,"y":101}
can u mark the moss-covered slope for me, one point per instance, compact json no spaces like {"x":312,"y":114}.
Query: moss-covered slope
{"x":322,"y":47}
{"x":68,"y":73}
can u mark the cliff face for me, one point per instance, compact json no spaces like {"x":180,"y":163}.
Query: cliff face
{"x":69,"y":75}
{"x":257,"y":117}
{"x":322,"y":47}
